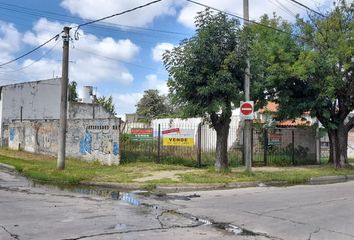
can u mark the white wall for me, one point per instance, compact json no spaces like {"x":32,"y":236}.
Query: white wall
{"x":39,"y":100}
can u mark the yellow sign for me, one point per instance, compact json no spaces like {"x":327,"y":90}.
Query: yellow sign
{"x":178,"y":141}
{"x":182,"y":137}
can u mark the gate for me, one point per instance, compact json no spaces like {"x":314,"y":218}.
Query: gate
{"x":284,"y":146}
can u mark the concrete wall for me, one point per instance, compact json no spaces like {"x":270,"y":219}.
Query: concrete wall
{"x":86,"y":139}
{"x":78,"y":110}
{"x":32,"y":100}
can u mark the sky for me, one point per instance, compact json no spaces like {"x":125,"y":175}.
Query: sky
{"x":120,"y":57}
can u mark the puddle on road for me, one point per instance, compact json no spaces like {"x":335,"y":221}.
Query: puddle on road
{"x":128,"y":197}
{"x":132,"y":199}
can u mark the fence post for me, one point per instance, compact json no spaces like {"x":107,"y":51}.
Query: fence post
{"x":120,"y":138}
{"x":243,"y":147}
{"x":199,"y":145}
{"x":251,"y":145}
{"x":318,"y":146}
{"x":293,"y":147}
{"x":265,"y":146}
{"x":158,"y":142}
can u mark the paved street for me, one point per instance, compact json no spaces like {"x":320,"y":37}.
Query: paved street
{"x":299,"y":212}
{"x":39,"y":213}
{"x":321,"y":212}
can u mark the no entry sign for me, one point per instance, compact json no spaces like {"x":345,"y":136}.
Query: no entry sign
{"x":246,"y":110}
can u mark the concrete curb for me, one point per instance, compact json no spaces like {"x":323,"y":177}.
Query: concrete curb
{"x":7,"y":166}
{"x":330,"y":179}
{"x":203,"y":187}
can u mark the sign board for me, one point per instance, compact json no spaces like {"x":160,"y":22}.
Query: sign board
{"x":141,"y":134}
{"x":172,"y":130}
{"x":246,"y":110}
{"x":274,"y":139}
{"x":182,"y":137}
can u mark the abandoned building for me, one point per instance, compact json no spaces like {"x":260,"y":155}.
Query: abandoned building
{"x":29,"y":120}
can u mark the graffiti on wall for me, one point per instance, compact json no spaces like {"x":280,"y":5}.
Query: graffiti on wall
{"x":86,"y":143}
{"x":115,"y":149}
{"x":12,"y":134}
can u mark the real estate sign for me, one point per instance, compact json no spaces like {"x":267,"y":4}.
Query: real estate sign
{"x":274,"y":139}
{"x":141,"y":134}
{"x":178,"y":137}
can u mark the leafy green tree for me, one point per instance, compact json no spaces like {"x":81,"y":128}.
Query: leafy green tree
{"x":152,"y":105}
{"x":311,"y":71}
{"x":73,"y":95}
{"x":206,"y":75}
{"x":107,"y":103}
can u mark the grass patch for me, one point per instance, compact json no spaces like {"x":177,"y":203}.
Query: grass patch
{"x":43,"y":168}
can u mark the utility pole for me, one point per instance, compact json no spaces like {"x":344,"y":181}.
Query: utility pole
{"x":64,"y":99}
{"x":247,"y":143}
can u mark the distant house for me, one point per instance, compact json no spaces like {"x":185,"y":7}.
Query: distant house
{"x":268,"y":113}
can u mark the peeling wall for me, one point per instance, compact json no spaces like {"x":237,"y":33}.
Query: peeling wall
{"x":86,"y":139}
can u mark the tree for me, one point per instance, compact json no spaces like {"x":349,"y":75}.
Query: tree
{"x":107,"y":103}
{"x":73,"y":95}
{"x":313,"y":71}
{"x":206,"y":75}
{"x":152,"y":105}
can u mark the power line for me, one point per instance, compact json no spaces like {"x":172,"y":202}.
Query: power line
{"x":40,"y":13}
{"x":239,"y":17}
{"x":33,"y":50}
{"x":116,"y":14}
{"x":27,"y":66}
{"x":308,"y":8}
{"x":113,"y":59}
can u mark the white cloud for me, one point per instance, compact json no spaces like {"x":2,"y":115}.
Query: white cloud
{"x":10,"y":43}
{"x":10,"y":38}
{"x":160,"y":49}
{"x":88,"y":55}
{"x":125,"y":103}
{"x":152,"y":82}
{"x":93,"y":9}
{"x":42,"y":31}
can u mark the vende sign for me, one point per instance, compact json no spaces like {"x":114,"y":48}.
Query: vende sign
{"x":246,"y":110}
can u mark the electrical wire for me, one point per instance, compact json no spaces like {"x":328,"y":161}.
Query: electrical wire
{"x":27,"y":66}
{"x":114,"y":59}
{"x":33,"y":50}
{"x":41,"y":13}
{"x":285,"y":8}
{"x":116,"y":14}
{"x":239,"y":17}
{"x":307,"y":7}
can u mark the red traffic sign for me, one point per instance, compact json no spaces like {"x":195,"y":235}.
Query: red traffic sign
{"x":246,"y":108}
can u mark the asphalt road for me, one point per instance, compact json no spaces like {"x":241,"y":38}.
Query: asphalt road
{"x":316,"y":212}
{"x":300,"y":212}
{"x":28,"y":212}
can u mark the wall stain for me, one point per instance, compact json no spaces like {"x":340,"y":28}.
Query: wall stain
{"x":12,"y":134}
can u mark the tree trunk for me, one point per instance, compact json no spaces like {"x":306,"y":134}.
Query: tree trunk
{"x":222,"y":134}
{"x":338,"y":140}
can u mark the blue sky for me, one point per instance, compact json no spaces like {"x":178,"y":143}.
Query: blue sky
{"x":120,"y":57}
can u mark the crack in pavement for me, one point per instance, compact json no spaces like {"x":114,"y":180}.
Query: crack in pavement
{"x":130,"y":231}
{"x":313,"y":232}
{"x":14,"y":236}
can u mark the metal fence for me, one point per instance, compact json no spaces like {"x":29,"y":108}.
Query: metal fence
{"x":194,"y":144}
